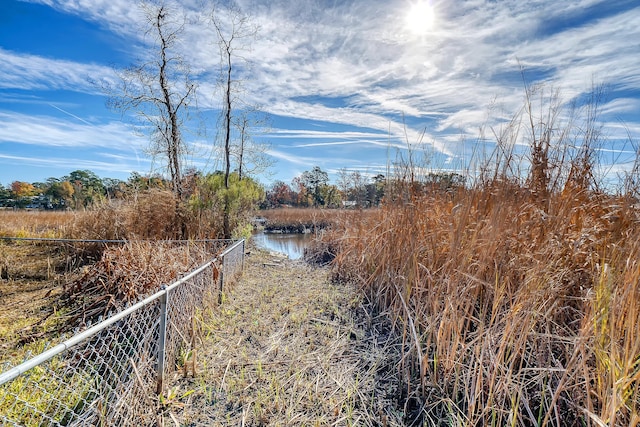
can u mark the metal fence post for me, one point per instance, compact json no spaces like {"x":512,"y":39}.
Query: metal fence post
{"x":162,"y":336}
{"x":242,"y":256}
{"x":221,"y":278}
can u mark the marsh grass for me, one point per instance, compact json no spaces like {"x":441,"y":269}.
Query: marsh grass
{"x":153,"y":214}
{"x":513,"y":315}
{"x":518,"y":294}
{"x":44,"y":224}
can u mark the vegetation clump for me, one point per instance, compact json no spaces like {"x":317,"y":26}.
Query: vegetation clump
{"x":517,"y":293}
{"x":513,"y":313}
{"x":126,"y":273}
{"x":52,"y":285}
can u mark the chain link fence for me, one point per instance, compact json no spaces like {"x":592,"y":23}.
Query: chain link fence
{"x":112,"y":373}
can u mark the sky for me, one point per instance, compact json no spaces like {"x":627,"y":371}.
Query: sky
{"x":355,"y":85}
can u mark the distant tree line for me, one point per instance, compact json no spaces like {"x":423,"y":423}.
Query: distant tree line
{"x":78,"y":190}
{"x":352,"y":189}
{"x":83,"y":189}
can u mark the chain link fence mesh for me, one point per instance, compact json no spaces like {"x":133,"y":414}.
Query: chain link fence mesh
{"x":111,"y":374}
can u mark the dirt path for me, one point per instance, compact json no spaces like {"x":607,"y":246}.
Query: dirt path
{"x":288,"y":348}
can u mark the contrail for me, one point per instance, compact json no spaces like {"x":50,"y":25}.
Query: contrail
{"x":93,"y":125}
{"x":72,"y":115}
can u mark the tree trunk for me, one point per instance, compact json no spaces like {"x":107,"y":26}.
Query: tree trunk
{"x":227,"y":151}
{"x":240,"y":160}
{"x":227,"y":139}
{"x":173,"y":142}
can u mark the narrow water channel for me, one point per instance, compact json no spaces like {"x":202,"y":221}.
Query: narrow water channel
{"x":292,"y":245}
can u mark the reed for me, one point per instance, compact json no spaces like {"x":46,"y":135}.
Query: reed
{"x":510,"y":314}
{"x":517,"y":296}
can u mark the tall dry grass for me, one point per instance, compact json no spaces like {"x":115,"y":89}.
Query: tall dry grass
{"x":152,"y":214}
{"x":511,"y":314}
{"x":518,"y":297}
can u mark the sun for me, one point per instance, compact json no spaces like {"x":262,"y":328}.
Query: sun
{"x":421,"y":17}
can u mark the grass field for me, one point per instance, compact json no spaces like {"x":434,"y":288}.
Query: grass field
{"x":46,"y":224}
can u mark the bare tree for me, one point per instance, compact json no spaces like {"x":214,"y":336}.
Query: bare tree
{"x":235,"y":33}
{"x":252,"y":157}
{"x":344,"y":183}
{"x":159,"y":90}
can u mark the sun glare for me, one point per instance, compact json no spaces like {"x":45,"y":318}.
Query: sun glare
{"x":420,"y":17}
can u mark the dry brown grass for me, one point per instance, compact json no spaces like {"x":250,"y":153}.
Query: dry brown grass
{"x":288,"y":347}
{"x":516,"y":313}
{"x":153,"y":214}
{"x":33,"y":275}
{"x":46,"y":224}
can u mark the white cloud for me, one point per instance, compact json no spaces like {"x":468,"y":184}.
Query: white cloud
{"x":31,"y":72}
{"x":334,"y":143}
{"x":449,"y":82}
{"x":292,"y":158}
{"x":54,"y":132}
{"x":298,"y":134}
{"x":604,"y":52}
{"x":621,"y":106}
{"x":120,"y":16}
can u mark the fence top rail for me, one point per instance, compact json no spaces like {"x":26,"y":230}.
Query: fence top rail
{"x":54,"y":351}
{"x":45,"y":239}
{"x":232,"y":247}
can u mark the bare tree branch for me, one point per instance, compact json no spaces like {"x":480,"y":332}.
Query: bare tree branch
{"x":159,"y":90}
{"x":235,"y":33}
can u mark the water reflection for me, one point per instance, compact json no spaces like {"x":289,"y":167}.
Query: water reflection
{"x":292,"y":245}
